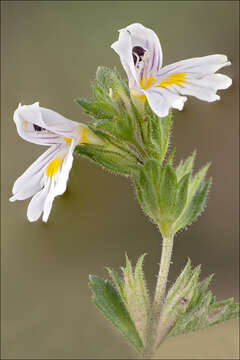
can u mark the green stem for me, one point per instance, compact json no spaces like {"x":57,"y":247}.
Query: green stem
{"x":163,"y":274}
{"x":158,"y":301}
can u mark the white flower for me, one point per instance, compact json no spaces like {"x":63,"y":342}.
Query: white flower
{"x":47,"y":177}
{"x":141,"y":56}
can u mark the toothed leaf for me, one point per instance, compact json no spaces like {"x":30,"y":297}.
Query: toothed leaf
{"x":148,"y":194}
{"x":136,"y":296}
{"x":118,"y":283}
{"x":157,"y":139}
{"x":197,"y":180}
{"x":114,"y":161}
{"x":107,"y":299}
{"x":194,"y":207}
{"x":206,"y":315}
{"x":178,"y":300}
{"x":98,"y":110}
{"x":171,"y":157}
{"x":141,"y":199}
{"x":167,"y":192}
{"x":110,"y":79}
{"x":182,"y":195}
{"x":125,"y":126}
{"x":186,"y":166}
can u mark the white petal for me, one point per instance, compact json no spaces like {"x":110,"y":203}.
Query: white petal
{"x":206,"y":87}
{"x":199,"y":79}
{"x":48,"y":202}
{"x":59,"y":180}
{"x":31,"y":180}
{"x":161,"y":100}
{"x":147,"y":39}
{"x":62,"y":179}
{"x":195,"y":67}
{"x":59,"y":124}
{"x":200,"y":92}
{"x":138,"y":35}
{"x":43,"y":126}
{"x":36,"y":205}
{"x":123,"y":48}
{"x":28,"y":118}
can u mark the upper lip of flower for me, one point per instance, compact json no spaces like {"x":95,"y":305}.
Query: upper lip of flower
{"x":141,"y":56}
{"x":43,"y":126}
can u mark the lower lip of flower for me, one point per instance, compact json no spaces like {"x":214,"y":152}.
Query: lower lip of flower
{"x":174,"y":79}
{"x":53,"y":167}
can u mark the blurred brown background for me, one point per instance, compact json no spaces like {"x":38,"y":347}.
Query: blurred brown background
{"x":50,"y":52}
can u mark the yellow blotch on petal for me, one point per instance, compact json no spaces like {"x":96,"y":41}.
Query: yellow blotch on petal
{"x":25,"y":123}
{"x":84,"y":134}
{"x":174,"y":79}
{"x":147,"y":82}
{"x":53,"y":167}
{"x":68,"y":140}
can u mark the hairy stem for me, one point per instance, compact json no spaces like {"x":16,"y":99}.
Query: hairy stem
{"x":159,"y":296}
{"x":163,"y":274}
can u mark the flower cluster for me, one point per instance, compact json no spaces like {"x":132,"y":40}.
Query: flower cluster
{"x":160,"y":87}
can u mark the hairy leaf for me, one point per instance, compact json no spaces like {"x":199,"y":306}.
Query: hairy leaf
{"x":110,"y":79}
{"x":190,"y":306}
{"x":194,"y":207}
{"x":118,"y":283}
{"x":148,"y":193}
{"x":186,"y":166}
{"x":182,"y":195}
{"x":141,"y":198}
{"x":167,"y":191}
{"x":98,"y":110}
{"x":197,"y":180}
{"x":157,"y":140}
{"x":115,"y":161}
{"x":171,"y":156}
{"x":207,"y":314}
{"x":136,"y":295}
{"x":109,"y":302}
{"x":178,"y":300}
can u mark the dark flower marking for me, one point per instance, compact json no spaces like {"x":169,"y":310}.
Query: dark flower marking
{"x":137,"y":53}
{"x":38,"y":128}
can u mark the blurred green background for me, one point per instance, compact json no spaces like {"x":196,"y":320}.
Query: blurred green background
{"x":50,"y":53}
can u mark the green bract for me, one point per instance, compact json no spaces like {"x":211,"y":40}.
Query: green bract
{"x":173,"y":201}
{"x":156,"y":139}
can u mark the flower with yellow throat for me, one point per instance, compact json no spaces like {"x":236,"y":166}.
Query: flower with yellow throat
{"x":165,"y":87}
{"x":47,"y":177}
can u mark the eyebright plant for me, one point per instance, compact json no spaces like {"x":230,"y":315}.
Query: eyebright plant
{"x":129,"y":135}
